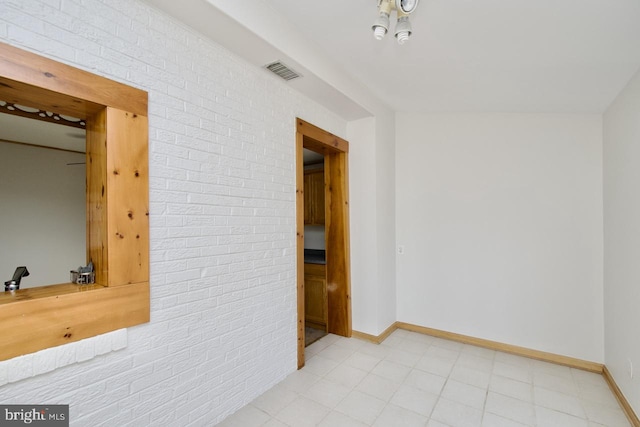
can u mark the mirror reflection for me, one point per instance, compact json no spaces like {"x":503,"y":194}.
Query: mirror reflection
{"x":42,"y":200}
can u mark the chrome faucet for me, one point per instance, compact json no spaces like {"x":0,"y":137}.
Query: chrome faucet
{"x":14,"y":283}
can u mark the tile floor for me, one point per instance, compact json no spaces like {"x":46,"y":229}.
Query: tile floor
{"x":417,"y":380}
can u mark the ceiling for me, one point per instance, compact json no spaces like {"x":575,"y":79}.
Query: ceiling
{"x":484,"y":55}
{"x":557,"y":56}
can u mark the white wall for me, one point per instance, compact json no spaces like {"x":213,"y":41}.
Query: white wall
{"x":364,"y":239}
{"x":222,"y":212}
{"x":500,"y":217}
{"x":386,"y":214}
{"x":372,"y":209}
{"x":622,"y":239}
{"x":42,"y":213}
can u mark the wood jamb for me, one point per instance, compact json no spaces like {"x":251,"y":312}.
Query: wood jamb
{"x":335,"y":150}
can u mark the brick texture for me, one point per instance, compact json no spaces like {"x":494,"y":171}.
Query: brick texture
{"x":222,"y":212}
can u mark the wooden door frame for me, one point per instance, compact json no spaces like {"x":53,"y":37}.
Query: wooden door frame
{"x":335,"y":151}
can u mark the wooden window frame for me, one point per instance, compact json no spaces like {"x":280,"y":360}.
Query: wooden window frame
{"x":117,"y":207}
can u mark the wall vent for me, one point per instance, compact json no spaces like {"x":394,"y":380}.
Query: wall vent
{"x":282,"y":70}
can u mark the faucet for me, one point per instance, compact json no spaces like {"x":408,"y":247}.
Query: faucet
{"x":14,"y":283}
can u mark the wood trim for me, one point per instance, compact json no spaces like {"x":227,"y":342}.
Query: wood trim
{"x":128,"y":197}
{"x":507,"y":348}
{"x":71,"y":313}
{"x":30,"y":294}
{"x":300,"y":246}
{"x":117,"y":207}
{"x":376,"y":339}
{"x":337,"y":243}
{"x":492,"y":345}
{"x":336,"y":225}
{"x":63,"y":89}
{"x":320,"y":140}
{"x":624,"y":403}
{"x":97,"y":246}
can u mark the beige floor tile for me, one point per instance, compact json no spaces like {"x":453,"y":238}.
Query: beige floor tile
{"x":303,"y":412}
{"x":512,"y":359}
{"x":414,"y":400}
{"x":512,"y":388}
{"x":403,"y":357}
{"x":361,"y":407}
{"x":464,"y":394}
{"x":327,"y":393}
{"x":396,"y":416}
{"x":555,"y":383}
{"x":478,"y":363}
{"x":417,"y":347}
{"x":274,"y":400}
{"x":493,"y":420}
{"x":377,"y":386}
{"x":515,"y":372}
{"x":607,"y":416}
{"x":336,"y":353}
{"x":478,"y":351}
{"x":455,"y":414}
{"x":300,"y":381}
{"x":347,"y":376}
{"x":362,"y":361}
{"x":560,"y":402}
{"x":425,"y":381}
{"x":510,"y":408}
{"x":451,"y":345}
{"x":550,"y":418}
{"x":349,"y":344}
{"x":470,"y":376}
{"x":274,"y":423}
{"x":379,"y":351}
{"x":320,"y":365}
{"x":436,"y":365}
{"x":249,"y":416}
{"x":598,"y":395}
{"x":443,"y":353}
{"x":417,"y":380}
{"x":392,"y":371}
{"x":552,"y":369}
{"x":338,"y":419}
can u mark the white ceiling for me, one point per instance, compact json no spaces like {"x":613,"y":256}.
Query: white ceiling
{"x":464,"y":55}
{"x":484,"y":55}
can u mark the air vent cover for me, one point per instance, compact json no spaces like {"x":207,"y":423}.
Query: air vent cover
{"x":282,"y":70}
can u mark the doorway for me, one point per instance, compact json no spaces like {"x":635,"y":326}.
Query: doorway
{"x":336,"y":221}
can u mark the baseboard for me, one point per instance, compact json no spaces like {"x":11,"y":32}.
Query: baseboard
{"x":376,"y":339}
{"x":513,"y":349}
{"x":624,"y":403}
{"x":507,"y":348}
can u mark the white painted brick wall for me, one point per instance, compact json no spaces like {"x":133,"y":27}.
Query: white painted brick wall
{"x":222,"y":205}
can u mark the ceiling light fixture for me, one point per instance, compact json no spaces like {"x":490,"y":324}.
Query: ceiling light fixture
{"x":407,"y":6}
{"x":403,"y":9}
